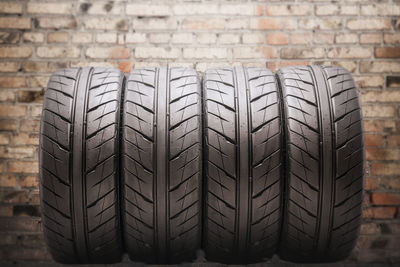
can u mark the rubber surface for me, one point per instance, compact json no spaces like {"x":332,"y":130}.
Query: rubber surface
{"x":325,"y":163}
{"x":79,"y":159}
{"x":161,"y":167}
{"x":243,"y":164}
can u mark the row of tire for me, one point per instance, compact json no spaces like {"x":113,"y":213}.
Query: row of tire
{"x":244,"y":165}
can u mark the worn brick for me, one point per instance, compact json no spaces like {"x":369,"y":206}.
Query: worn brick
{"x":29,"y":126}
{"x":12,"y":82}
{"x":369,"y":229}
{"x":277,"y":39}
{"x":379,"y":212}
{"x":387,"y":52}
{"x":383,"y":154}
{"x":390,"y":183}
{"x":25,"y":139}
{"x":159,"y":38}
{"x":57,"y":23}
{"x":385,"y":169}
{"x":203,"y":24}
{"x":237,"y":24}
{"x":147,"y":10}
{"x":156,"y":24}
{"x":289,"y":10}
{"x":157,"y":52}
{"x":300,"y":53}
{"x":386,"y":198}
{"x":380,"y":66}
{"x":132,"y":38}
{"x":320,"y":24}
{"x":8,"y":180}
{"x":9,"y":37}
{"x":10,"y":152}
{"x":273,"y":23}
{"x":346,"y":38}
{"x":238,"y":9}
{"x":15,"y":52}
{"x":253,"y":38}
{"x":108,"y":52}
{"x":12,"y":111}
{"x":378,"y":111}
{"x":324,"y":38}
{"x":49,"y":8}
{"x":106,"y":23}
{"x":8,"y":125}
{"x":9,"y":66}
{"x":254,"y":52}
{"x":373,"y":140}
{"x":81,"y":38}
{"x":58,"y":37}
{"x":209,"y":53}
{"x":7,"y":95}
{"x":182,"y":38}
{"x":380,"y":9}
{"x":36,"y":81}
{"x":229,"y":38}
{"x":391,"y":38}
{"x":108,"y":37}
{"x":206,"y":38}
{"x":370,"y":38}
{"x":11,"y":7}
{"x":369,"y":81}
{"x":324,"y":10}
{"x":4,"y":139}
{"x":23,"y":167}
{"x":195,"y":9}
{"x":381,"y":96}
{"x":15,"y":23}
{"x":370,"y":183}
{"x":351,"y":52}
{"x":58,"y":52}
{"x":33,"y":37}
{"x":5,"y":211}
{"x":300,"y":38}
{"x":126,"y":66}
{"x":369,"y":24}
{"x":102,"y":8}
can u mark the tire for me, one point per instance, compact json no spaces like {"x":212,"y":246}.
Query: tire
{"x":79,"y":142}
{"x":243,"y":164}
{"x":325,"y":163}
{"x":161,"y":165}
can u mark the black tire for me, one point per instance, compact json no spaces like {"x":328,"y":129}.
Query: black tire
{"x":325,"y":163}
{"x":243,"y":164}
{"x":161,"y":165}
{"x":79,"y":160}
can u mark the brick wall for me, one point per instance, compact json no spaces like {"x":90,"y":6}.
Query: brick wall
{"x":38,"y":37}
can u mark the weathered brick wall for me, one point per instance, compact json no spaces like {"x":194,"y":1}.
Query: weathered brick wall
{"x":38,"y":37}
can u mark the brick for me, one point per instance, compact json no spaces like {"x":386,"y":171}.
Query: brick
{"x":380,"y":66}
{"x":12,"y":111}
{"x":346,"y":38}
{"x":16,"y":152}
{"x":387,"y":52}
{"x":58,"y":37}
{"x":391,"y":38}
{"x":323,"y":10}
{"x":381,"y":96}
{"x":351,"y":66}
{"x":300,"y":53}
{"x":182,"y":38}
{"x":237,"y":24}
{"x":147,"y":10}
{"x":37,"y":82}
{"x":379,"y":213}
{"x":289,"y":10}
{"x":373,"y":140}
{"x":23,"y":167}
{"x":385,"y":169}
{"x":380,"y":9}
{"x":7,"y":125}
{"x":29,"y":126}
{"x":9,"y":37}
{"x":28,"y":254}
{"x":156,"y":24}
{"x":378,"y":111}
{"x":253,"y":38}
{"x":273,"y":24}
{"x":300,"y":38}
{"x":159,"y":38}
{"x":81,"y":38}
{"x":108,"y":52}
{"x":25,"y":139}
{"x":277,"y":39}
{"x":349,"y":10}
{"x":108,"y":37}
{"x":6,"y":211}
{"x":371,"y":184}
{"x":126,"y":66}
{"x":351,"y":52}
{"x":386,"y":198}
{"x":106,"y":23}
{"x":157,"y":52}
{"x":133,"y":38}
{"x":33,"y":37}
{"x":320,"y":24}
{"x":15,"y":23}
{"x":4,"y":139}
{"x":201,"y":53}
{"x":195,"y":9}
{"x":10,"y":7}
{"x":12,"y":82}
{"x":7,"y":95}
{"x":107,"y":8}
{"x":369,"y":81}
{"x":49,"y":8}
{"x":8,"y":180}
{"x":254,"y":52}
{"x":9,"y":66}
{"x":383,"y":154}
{"x":13,"y":197}
{"x":35,"y":66}
{"x":393,"y":140}
{"x":369,"y":24}
{"x":58,"y":52}
{"x":324,"y":38}
{"x":370,"y":38}
{"x":229,"y":38}
{"x":20,"y":224}
{"x":203,"y":24}
{"x":206,"y":38}
{"x":15,"y":52}
{"x":390,"y":183}
{"x":238,"y":10}
{"x":57,"y":23}
{"x":369,"y":229}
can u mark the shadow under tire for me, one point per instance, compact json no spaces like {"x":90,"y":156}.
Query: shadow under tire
{"x":243,"y":164}
{"x":325,"y":163}
{"x":161,"y":165}
{"x":78,"y":169}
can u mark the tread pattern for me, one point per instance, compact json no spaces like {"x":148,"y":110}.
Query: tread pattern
{"x":222,"y":165}
{"x":101,"y":142}
{"x":302,"y":219}
{"x":184,"y":162}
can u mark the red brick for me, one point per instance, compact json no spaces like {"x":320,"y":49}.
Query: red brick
{"x":373,"y":140}
{"x":383,"y":154}
{"x":385,"y":169}
{"x":12,"y":82}
{"x":23,"y":167}
{"x":272,"y":24}
{"x":379,"y":213}
{"x":390,"y":183}
{"x":8,"y":180}
{"x":373,"y":126}
{"x":125,"y":66}
{"x":277,"y":39}
{"x":393,"y":140}
{"x":386,"y":198}
{"x":387,"y":52}
{"x":371,"y":184}
{"x":28,"y":181}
